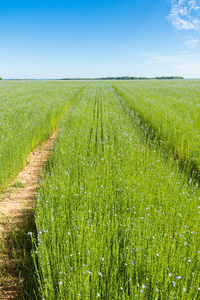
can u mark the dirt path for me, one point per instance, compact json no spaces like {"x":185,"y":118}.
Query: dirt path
{"x":17,"y":202}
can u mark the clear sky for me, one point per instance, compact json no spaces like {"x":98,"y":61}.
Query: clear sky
{"x":84,"y":38}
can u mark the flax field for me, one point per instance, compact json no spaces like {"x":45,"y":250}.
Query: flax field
{"x":118,"y":206}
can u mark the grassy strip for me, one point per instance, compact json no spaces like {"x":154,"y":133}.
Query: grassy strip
{"x":169,"y":112}
{"x":114,"y":219}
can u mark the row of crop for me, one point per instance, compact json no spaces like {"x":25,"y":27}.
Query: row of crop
{"x":114,"y":219}
{"x":171,"y":113}
{"x":29,"y":112}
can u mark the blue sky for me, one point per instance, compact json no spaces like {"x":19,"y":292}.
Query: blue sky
{"x":80,"y":38}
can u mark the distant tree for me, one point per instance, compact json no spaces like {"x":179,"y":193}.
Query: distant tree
{"x":0,"y":78}
{"x":169,"y":77}
{"x":126,"y":78}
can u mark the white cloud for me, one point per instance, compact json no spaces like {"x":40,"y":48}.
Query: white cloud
{"x":177,"y":58}
{"x":192,"y":42}
{"x":185,"y":14}
{"x":180,"y":64}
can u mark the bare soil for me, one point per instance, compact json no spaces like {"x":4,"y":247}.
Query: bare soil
{"x":15,"y":204}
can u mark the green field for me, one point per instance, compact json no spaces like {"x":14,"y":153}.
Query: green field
{"x":170,"y":112}
{"x":29,"y":112}
{"x":118,"y":210}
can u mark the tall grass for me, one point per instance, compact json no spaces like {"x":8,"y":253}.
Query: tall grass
{"x":29,"y":112}
{"x":115,"y":219}
{"x":170,"y":111}
{"x":15,"y":260}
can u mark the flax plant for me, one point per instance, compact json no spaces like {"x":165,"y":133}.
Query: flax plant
{"x":169,"y":111}
{"x":29,"y":112}
{"x":115,"y":219}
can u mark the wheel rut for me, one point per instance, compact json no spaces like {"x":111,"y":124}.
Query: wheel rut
{"x":17,"y":205}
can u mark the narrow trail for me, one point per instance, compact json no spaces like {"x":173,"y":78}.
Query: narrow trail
{"x":15,"y":204}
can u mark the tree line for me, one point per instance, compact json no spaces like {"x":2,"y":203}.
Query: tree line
{"x":126,"y":78}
